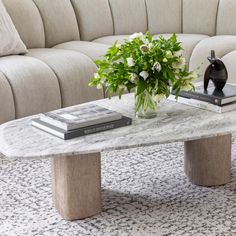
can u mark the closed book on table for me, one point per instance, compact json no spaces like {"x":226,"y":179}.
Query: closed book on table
{"x":220,"y":98}
{"x":79,"y":116}
{"x":204,"y":105}
{"x":58,"y":132}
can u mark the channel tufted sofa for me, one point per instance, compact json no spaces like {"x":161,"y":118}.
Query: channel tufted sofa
{"x":63,"y":38}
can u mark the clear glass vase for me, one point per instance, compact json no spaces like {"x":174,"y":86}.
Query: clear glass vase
{"x":146,"y":105}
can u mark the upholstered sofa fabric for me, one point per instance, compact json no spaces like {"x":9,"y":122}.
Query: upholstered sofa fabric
{"x":34,"y":85}
{"x":28,"y":22}
{"x":91,"y":49}
{"x":199,"y":16}
{"x":226,"y":23}
{"x":10,"y":41}
{"x":73,"y":71}
{"x":6,"y":100}
{"x":59,"y":20}
{"x":94,"y":18}
{"x":129,"y":16}
{"x":161,"y":20}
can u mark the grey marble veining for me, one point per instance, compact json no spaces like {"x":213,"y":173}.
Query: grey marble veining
{"x":175,"y":122}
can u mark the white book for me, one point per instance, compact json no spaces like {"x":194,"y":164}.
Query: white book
{"x":204,"y":105}
{"x":79,"y":116}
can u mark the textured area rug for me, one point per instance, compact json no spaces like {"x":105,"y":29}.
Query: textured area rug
{"x":145,"y":192}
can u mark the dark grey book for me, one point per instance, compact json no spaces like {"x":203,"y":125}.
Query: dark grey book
{"x":63,"y":134}
{"x":76,"y":117}
{"x":220,"y":98}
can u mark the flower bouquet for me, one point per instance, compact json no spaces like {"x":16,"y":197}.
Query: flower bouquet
{"x":149,"y":67}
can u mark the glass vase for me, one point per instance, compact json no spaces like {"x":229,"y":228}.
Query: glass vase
{"x":146,"y":105}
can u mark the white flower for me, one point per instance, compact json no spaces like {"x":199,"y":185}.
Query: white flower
{"x":145,"y":40}
{"x":144,"y":48}
{"x":168,"y":54}
{"x":180,"y":64}
{"x":99,"y":86}
{"x":165,"y":60}
{"x":122,"y":87}
{"x":133,"y":78}
{"x":178,"y":53}
{"x":96,"y":76}
{"x":156,"y":66}
{"x":118,"y":45}
{"x":136,"y":35}
{"x":144,"y":74}
{"x":130,"y":61}
{"x":150,"y":45}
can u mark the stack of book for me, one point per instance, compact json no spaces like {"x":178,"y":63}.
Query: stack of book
{"x":212,"y":100}
{"x":80,"y":120}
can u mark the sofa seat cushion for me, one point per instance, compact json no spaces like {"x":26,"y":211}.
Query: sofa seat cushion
{"x":34,"y":85}
{"x":7,"y":106}
{"x":188,"y":42}
{"x":73,"y":71}
{"x":110,"y":40}
{"x":221,"y":44}
{"x":93,"y":50}
{"x":229,"y":61}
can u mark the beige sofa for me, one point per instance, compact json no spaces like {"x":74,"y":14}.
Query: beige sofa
{"x":64,"y":37}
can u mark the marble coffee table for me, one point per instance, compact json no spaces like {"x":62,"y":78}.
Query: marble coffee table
{"x":76,"y":166}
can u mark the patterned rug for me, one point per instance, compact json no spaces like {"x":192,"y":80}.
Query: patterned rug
{"x":145,"y":192}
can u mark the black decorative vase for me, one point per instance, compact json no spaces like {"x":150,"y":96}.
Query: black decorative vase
{"x":216,"y":72}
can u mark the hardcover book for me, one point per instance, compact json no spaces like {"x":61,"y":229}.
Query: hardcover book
{"x":220,"y":98}
{"x":204,"y":105}
{"x":79,"y":116}
{"x":63,"y":134}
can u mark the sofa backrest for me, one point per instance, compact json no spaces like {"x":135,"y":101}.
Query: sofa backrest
{"x":164,"y":16}
{"x":199,"y":16}
{"x":59,"y":20}
{"x":226,"y":20}
{"x":45,"y":23}
{"x":28,"y":22}
{"x":94,"y":18}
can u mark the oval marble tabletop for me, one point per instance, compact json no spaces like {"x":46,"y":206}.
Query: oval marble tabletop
{"x":175,"y":122}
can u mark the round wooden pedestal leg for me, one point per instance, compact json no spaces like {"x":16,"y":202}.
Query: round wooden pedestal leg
{"x":207,"y":162}
{"x":76,"y":185}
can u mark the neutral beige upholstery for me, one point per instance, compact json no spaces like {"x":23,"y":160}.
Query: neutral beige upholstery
{"x":34,"y":85}
{"x":226,"y":20}
{"x":164,"y":16}
{"x":188,"y":42}
{"x":93,"y":50}
{"x":199,"y":16}
{"x":28,"y":22}
{"x":7,"y":106}
{"x":94,"y":18}
{"x":222,"y":46}
{"x":129,"y":16}
{"x":59,"y":21}
{"x":229,"y":61}
{"x":73,"y":71}
{"x":112,"y":39}
{"x":10,"y":41}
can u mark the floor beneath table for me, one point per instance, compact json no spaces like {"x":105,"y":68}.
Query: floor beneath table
{"x":145,"y":192}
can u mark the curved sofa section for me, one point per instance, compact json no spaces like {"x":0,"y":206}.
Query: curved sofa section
{"x":64,"y":37}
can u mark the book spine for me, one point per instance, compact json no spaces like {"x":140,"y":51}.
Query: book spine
{"x":201,"y":97}
{"x":98,"y":128}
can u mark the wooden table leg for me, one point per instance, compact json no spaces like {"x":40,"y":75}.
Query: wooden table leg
{"x":76,"y":185}
{"x":207,"y":162}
